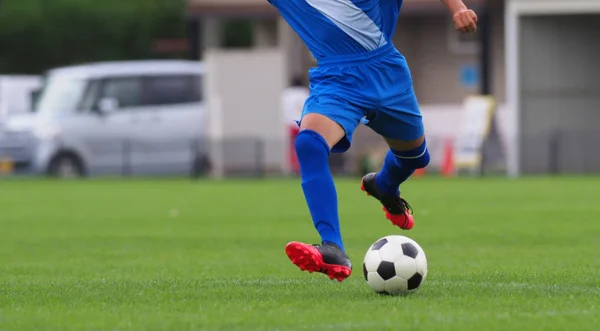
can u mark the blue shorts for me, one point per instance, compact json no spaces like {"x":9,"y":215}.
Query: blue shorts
{"x":375,"y":88}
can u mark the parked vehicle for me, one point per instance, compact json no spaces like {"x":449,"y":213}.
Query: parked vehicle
{"x":15,"y":94}
{"x":133,"y":118}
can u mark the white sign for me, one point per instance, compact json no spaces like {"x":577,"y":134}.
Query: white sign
{"x":476,"y":121}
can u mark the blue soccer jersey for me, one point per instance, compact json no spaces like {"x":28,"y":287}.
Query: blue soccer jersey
{"x":341,"y":27}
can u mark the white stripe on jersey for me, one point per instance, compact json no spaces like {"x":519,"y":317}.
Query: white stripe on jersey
{"x":352,"y":20}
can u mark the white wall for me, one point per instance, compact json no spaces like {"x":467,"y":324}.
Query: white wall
{"x":243,"y":91}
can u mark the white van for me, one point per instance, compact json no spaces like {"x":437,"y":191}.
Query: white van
{"x":15,"y":94}
{"x":114,"y":118}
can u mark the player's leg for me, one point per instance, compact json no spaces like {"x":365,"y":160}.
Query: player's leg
{"x":318,"y":134}
{"x":401,"y":124}
{"x":401,"y":161}
{"x":326,"y":126}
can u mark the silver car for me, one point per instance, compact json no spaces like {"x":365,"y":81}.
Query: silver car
{"x":114,"y":118}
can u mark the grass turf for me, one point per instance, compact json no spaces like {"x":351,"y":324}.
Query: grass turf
{"x":179,"y":255}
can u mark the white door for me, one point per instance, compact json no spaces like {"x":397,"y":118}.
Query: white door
{"x":111,"y":141}
{"x":100,"y":140}
{"x":96,"y":137}
{"x":169,"y":125}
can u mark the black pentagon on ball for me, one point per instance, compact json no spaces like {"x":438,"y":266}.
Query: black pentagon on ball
{"x":386,"y":270}
{"x":365,"y":272}
{"x":415,"y":281}
{"x":410,"y":250}
{"x":377,"y":246}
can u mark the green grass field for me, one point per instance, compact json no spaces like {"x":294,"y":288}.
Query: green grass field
{"x":180,"y":255}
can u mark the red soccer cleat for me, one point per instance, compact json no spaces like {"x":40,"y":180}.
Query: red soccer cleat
{"x":328,"y":259}
{"x":396,"y":209}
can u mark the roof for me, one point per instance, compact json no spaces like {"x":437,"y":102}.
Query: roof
{"x":263,"y":8}
{"x":128,"y":68}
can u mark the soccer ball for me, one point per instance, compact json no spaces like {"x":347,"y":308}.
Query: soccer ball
{"x":395,"y":265}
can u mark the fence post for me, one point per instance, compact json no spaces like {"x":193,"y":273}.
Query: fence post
{"x":126,"y":165}
{"x":553,"y":151}
{"x":194,"y":171}
{"x":260,"y":157}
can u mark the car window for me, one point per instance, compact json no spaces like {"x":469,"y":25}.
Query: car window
{"x":127,"y":91}
{"x":90,"y":98}
{"x":168,"y":90}
{"x":61,"y":95}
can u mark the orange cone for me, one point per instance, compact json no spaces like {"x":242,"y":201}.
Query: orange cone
{"x":420,"y":172}
{"x":448,"y":158}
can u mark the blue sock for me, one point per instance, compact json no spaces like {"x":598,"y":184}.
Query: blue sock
{"x":399,"y":166}
{"x":318,"y":186}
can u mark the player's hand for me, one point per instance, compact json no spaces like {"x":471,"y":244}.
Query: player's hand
{"x":465,"y":21}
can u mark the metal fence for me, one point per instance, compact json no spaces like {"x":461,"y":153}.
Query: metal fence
{"x":548,"y":153}
{"x":561,"y":151}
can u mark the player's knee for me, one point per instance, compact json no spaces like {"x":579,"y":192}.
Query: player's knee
{"x":417,"y":158}
{"x":310,"y":144}
{"x":422,"y":161}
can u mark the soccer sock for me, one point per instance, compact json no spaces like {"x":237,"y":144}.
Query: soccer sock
{"x":399,"y":166}
{"x":318,"y":186}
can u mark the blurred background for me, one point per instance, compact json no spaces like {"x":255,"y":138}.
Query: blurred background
{"x":211,"y":88}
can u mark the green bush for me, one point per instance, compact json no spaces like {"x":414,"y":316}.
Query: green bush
{"x":39,"y":34}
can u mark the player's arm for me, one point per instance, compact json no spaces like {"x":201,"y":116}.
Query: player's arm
{"x":465,"y":20}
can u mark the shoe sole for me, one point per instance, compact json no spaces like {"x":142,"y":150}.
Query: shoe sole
{"x":397,"y":220}
{"x":308,"y":258}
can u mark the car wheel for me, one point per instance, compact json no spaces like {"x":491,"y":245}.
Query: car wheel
{"x":66,"y":166}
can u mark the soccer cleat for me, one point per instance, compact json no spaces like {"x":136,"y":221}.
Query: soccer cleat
{"x":328,"y":259}
{"x":396,"y":209}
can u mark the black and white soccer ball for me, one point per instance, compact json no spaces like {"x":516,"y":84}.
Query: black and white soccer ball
{"x":395,"y":265}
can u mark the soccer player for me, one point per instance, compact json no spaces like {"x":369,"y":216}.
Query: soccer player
{"x":360,"y":76}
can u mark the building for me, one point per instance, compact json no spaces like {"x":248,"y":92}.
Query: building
{"x":553,"y":86}
{"x":440,"y":58}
